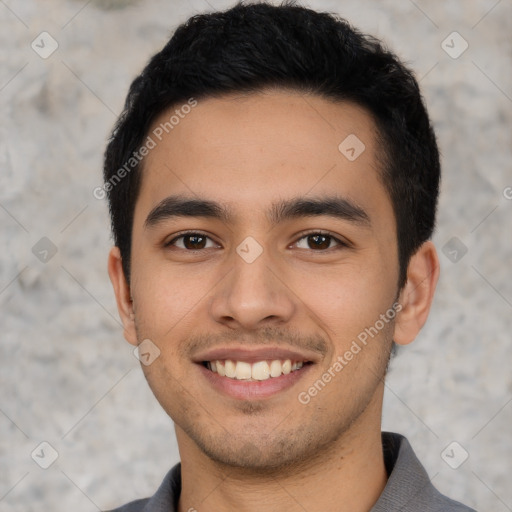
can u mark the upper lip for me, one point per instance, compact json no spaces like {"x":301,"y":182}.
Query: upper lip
{"x":252,"y":355}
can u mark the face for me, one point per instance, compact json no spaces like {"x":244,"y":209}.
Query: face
{"x":287,"y":252}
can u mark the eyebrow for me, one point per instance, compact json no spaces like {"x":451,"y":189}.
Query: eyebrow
{"x":280,"y":211}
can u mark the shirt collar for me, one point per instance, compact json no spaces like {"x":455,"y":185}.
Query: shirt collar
{"x":408,"y":482}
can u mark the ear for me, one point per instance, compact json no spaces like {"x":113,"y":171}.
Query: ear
{"x":417,"y":294}
{"x":123,"y":295}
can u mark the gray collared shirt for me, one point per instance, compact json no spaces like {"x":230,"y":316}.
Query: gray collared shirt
{"x":408,"y":488}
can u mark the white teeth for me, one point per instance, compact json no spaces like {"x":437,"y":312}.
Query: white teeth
{"x":220,"y":368}
{"x":261,"y":370}
{"x":230,"y":368}
{"x":243,"y":370}
{"x":275,"y":368}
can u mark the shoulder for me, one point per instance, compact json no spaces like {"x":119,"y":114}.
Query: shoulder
{"x":448,"y":505}
{"x":409,"y":487}
{"x":441,"y":503}
{"x":134,"y":506}
{"x":165,"y":498}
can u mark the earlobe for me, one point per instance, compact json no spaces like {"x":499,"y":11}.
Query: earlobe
{"x":417,"y":295}
{"x":123,"y":294}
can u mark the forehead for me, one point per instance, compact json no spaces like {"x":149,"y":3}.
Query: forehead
{"x":241,"y":148}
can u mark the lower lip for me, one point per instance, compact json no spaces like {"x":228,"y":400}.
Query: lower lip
{"x":252,"y":390}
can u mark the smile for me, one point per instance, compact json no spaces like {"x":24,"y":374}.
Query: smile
{"x":258,"y":371}
{"x":250,"y":381}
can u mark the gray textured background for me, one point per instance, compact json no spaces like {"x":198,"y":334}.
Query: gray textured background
{"x":67,"y":377}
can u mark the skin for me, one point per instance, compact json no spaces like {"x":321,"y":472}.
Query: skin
{"x":247,"y":152}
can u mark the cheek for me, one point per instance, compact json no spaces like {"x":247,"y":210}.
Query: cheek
{"x":165,"y":298}
{"x":349,"y":298}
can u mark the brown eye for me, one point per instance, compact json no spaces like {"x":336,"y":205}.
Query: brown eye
{"x":319,"y":242}
{"x":194,"y":241}
{"x":191,"y":242}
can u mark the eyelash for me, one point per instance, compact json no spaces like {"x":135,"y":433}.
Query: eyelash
{"x":341,"y":243}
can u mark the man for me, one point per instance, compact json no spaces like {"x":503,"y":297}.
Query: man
{"x":273,"y":184}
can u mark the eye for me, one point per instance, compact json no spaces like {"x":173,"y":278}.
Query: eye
{"x":191,"y":241}
{"x":317,"y":241}
{"x":320,"y":241}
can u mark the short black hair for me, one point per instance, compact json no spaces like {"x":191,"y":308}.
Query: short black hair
{"x":251,"y":47}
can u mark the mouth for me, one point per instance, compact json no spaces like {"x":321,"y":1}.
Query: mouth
{"x":257,"y":371}
{"x":257,"y":380}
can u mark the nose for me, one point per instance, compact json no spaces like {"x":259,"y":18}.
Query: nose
{"x":253,"y":295}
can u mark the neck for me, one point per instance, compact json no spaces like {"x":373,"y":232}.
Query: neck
{"x":348,"y":475}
